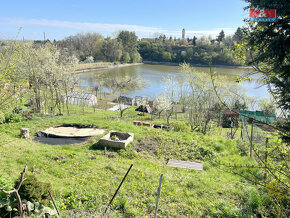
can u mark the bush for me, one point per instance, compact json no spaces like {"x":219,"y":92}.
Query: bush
{"x":2,"y":117}
{"x":204,"y":153}
{"x":253,"y":198}
{"x":255,"y":202}
{"x":6,"y":185}
{"x":13,"y":118}
{"x":19,"y":110}
{"x":34,"y":190}
{"x":222,"y":208}
{"x":180,"y":126}
{"x":128,"y":153}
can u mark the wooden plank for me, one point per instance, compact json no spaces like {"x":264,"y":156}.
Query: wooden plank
{"x":185,"y":164}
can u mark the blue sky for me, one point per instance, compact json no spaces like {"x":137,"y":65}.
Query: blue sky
{"x":146,"y":17}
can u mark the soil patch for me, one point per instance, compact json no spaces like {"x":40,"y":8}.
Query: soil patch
{"x":149,"y":145}
{"x":266,"y":127}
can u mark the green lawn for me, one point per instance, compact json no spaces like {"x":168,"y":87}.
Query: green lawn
{"x":86,"y":179}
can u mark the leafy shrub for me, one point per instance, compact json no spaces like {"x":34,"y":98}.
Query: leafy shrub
{"x":34,"y":190}
{"x":255,"y":202}
{"x":219,"y":147}
{"x":19,"y":110}
{"x":243,"y":148}
{"x":6,"y":185}
{"x":38,"y":210}
{"x":222,"y":208}
{"x":2,"y":117}
{"x":253,"y":198}
{"x":128,"y":153}
{"x":204,"y":153}
{"x":13,"y":118}
{"x":180,"y":126}
{"x":9,"y":204}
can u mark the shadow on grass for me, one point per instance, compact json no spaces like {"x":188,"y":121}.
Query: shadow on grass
{"x":98,"y":146}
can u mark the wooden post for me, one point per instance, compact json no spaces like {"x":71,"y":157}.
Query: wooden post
{"x":117,"y":190}
{"x":158,"y":195}
{"x":24,"y":133}
{"x":251,"y":140}
{"x":266,"y":157}
{"x":54,"y":204}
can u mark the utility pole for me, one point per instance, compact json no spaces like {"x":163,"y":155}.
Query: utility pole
{"x":44,"y":35}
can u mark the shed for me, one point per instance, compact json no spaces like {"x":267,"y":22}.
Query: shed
{"x":144,"y":108}
{"x":230,"y":118}
{"x":82,"y":99}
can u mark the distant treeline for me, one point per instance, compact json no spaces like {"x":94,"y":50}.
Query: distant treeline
{"x":195,"y":51}
{"x":127,"y":48}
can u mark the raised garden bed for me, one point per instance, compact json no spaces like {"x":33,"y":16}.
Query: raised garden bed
{"x":117,"y":139}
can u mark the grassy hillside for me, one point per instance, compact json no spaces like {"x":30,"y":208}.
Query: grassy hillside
{"x":84,"y":177}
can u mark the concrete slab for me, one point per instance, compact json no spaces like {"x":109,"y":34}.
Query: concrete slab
{"x":185,"y":164}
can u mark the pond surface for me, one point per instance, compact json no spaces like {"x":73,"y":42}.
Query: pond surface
{"x":154,"y":76}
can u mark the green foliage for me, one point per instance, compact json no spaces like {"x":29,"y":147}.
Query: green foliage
{"x":222,"y":208}
{"x":238,"y":34}
{"x":136,"y":57}
{"x":111,"y":50}
{"x":268,"y":107}
{"x":86,"y":178}
{"x":9,"y":205}
{"x":6,"y":184}
{"x":180,"y":126}
{"x":34,"y":190}
{"x":2,"y":117}
{"x":268,"y":44}
{"x":38,"y":210}
{"x":128,"y":41}
{"x":201,"y":53}
{"x":128,"y":153}
{"x":13,"y":118}
{"x":221,"y":36}
{"x":126,"y":57}
{"x":19,"y":110}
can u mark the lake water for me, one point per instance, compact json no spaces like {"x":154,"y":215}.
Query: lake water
{"x":154,"y":76}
